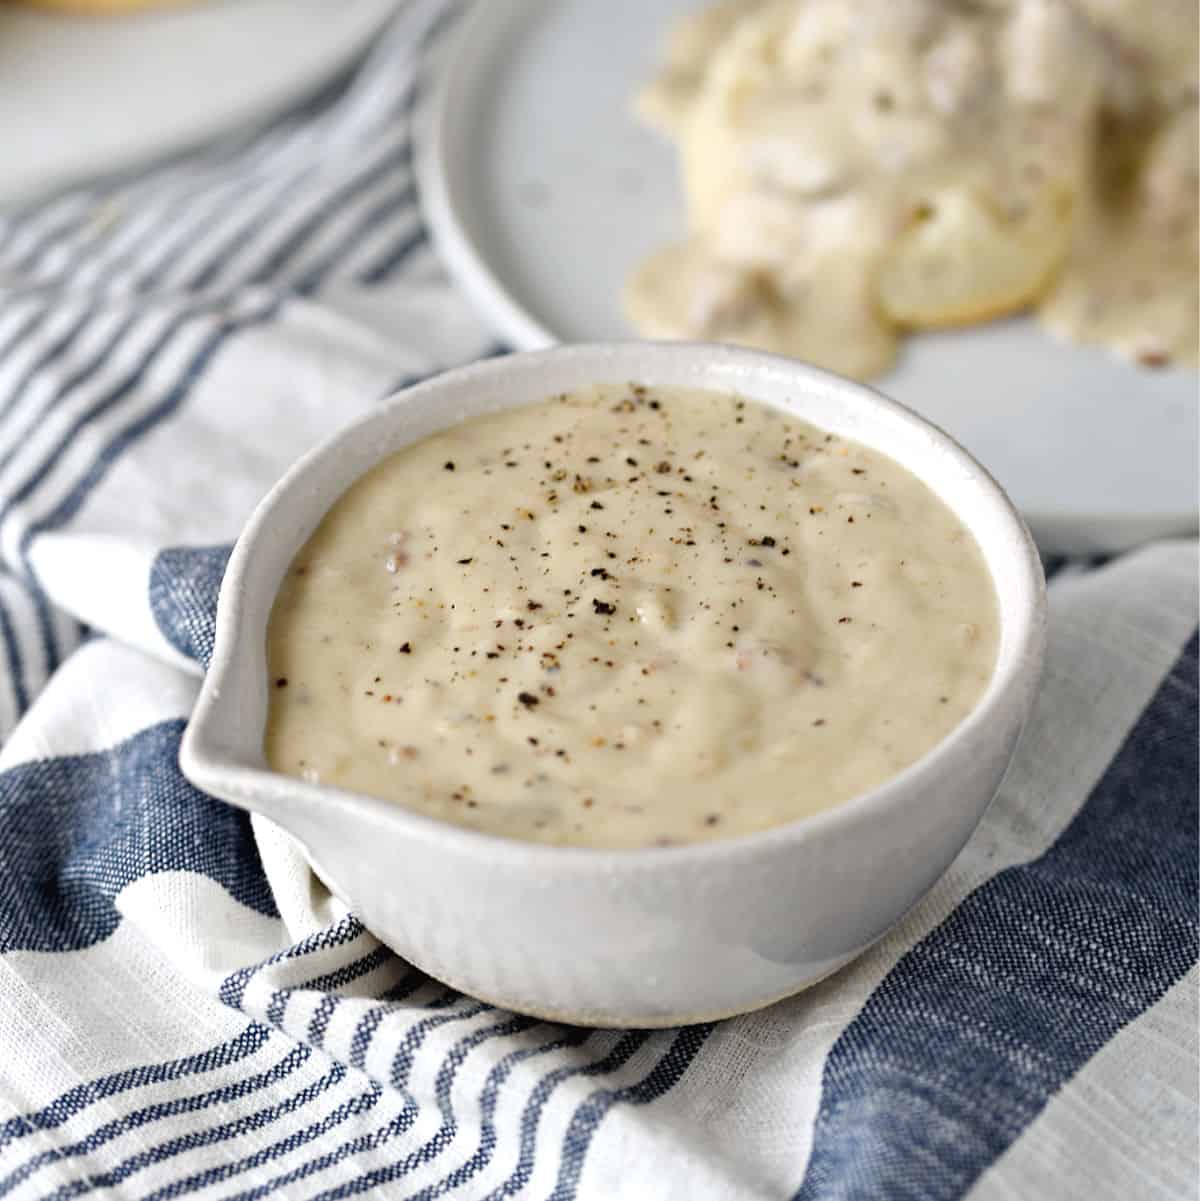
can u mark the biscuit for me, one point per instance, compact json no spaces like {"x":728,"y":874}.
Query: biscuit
{"x":963,"y":261}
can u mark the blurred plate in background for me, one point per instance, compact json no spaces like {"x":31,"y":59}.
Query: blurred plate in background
{"x":86,"y":95}
{"x":543,"y":193}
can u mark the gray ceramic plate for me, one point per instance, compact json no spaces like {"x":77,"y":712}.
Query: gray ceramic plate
{"x":543,"y":193}
{"x":83,"y":95}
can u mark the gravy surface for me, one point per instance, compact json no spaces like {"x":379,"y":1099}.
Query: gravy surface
{"x":627,"y":617}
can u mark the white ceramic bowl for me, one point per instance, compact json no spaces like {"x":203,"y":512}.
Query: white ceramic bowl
{"x":649,"y":937}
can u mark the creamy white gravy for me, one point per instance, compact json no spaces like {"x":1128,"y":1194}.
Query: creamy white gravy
{"x":627,"y":617}
{"x":853,"y":170}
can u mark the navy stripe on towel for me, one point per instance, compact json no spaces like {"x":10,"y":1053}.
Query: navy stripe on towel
{"x":362,"y":1143}
{"x":531,"y":1116}
{"x":79,"y":1098}
{"x":665,"y":1074}
{"x":14,"y":660}
{"x":184,"y":585}
{"x":236,"y":1129}
{"x":82,"y":827}
{"x":486,"y":1146}
{"x":428,"y":1151}
{"x":237,"y":1091}
{"x":982,"y":1022}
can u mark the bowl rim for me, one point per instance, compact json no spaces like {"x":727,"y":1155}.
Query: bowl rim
{"x":1013,"y":682}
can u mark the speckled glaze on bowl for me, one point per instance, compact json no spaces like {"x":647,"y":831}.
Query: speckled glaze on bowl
{"x":653,"y":937}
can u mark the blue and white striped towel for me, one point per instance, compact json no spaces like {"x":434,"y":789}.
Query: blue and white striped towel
{"x":184,"y":1011}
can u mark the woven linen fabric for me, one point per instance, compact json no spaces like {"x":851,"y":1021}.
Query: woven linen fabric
{"x":185,"y":1010}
